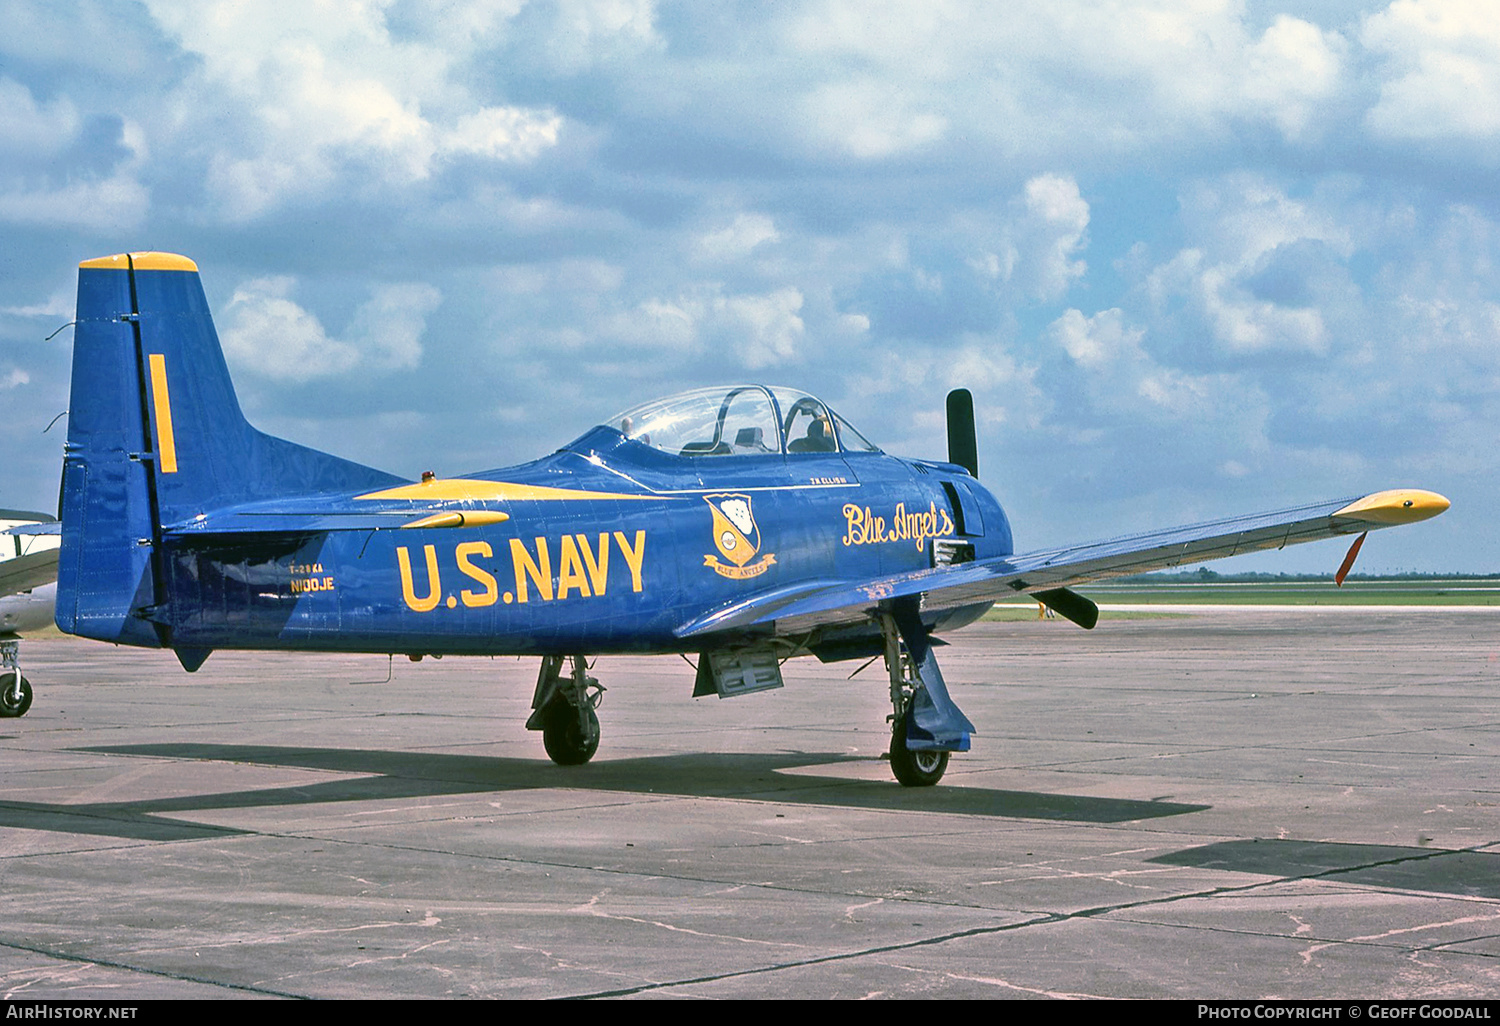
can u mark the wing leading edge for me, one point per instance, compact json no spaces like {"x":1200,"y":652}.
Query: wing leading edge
{"x":950,"y":587}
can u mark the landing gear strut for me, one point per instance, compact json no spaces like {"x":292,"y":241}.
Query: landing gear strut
{"x":564,"y":711}
{"x":925,"y":724}
{"x":15,"y":690}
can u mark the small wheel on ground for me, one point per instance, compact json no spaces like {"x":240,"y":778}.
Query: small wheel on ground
{"x":566,"y":741}
{"x":12,"y":704}
{"x":915,"y":769}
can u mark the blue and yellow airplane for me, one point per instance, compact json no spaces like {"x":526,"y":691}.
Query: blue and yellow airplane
{"x":743,"y":524}
{"x":28,"y":587}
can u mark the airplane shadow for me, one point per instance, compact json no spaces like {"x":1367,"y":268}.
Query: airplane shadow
{"x":396,"y":774}
{"x":1436,"y":870}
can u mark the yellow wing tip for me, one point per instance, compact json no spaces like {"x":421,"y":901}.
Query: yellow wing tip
{"x":144,"y":261}
{"x":1396,"y":506}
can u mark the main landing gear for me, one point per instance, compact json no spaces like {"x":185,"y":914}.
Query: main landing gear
{"x":564,"y":710}
{"x":925,"y":724}
{"x":15,"y":690}
{"x":914,"y":769}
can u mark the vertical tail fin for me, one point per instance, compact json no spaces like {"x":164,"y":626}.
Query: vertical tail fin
{"x":155,"y":438}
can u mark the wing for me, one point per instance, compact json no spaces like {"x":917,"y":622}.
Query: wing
{"x":831,"y":603}
{"x":35,"y":562}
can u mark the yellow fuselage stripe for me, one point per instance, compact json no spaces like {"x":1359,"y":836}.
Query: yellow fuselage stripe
{"x":166,"y":445}
{"x":454,"y":489}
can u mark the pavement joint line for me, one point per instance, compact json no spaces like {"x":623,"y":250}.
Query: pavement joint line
{"x":221,"y":833}
{"x":626,"y":872}
{"x":63,"y":956}
{"x":94,"y":812}
{"x":230,"y":833}
{"x":1467,"y":940}
{"x":124,"y":845}
{"x":1041,"y":919}
{"x":1392,"y":916}
{"x":977,"y":931}
{"x":1330,"y":941}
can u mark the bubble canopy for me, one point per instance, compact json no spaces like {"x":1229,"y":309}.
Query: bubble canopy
{"x":739,"y":420}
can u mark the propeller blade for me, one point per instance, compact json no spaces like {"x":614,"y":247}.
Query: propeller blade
{"x":963,"y":447}
{"x":1347,"y":565}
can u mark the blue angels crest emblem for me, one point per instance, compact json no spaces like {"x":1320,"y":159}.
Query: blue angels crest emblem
{"x":736,"y":536}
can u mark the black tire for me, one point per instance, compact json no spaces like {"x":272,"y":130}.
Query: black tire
{"x":915,"y":769}
{"x":9,"y":705}
{"x":566,"y":743}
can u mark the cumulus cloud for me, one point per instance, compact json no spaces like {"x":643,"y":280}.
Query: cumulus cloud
{"x":1055,"y":80}
{"x":1444,"y":65}
{"x":764,"y":330}
{"x":46,"y":183}
{"x":574,"y":36}
{"x":1123,"y":406}
{"x":59,"y":304}
{"x":117,"y":204}
{"x":747,"y":330}
{"x":654,"y":324}
{"x":1243,"y":224}
{"x":1292,"y":72}
{"x":1052,"y":233}
{"x":1096,"y":342}
{"x":28,"y":128}
{"x":270,"y":335}
{"x":1248,"y":325}
{"x":1036,"y":247}
{"x":738,"y":237}
{"x":502,"y":133}
{"x":390,"y":326}
{"x":326,"y":94}
{"x":869,"y":119}
{"x":1111,"y":220}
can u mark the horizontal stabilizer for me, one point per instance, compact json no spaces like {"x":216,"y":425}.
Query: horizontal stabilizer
{"x":282,"y":521}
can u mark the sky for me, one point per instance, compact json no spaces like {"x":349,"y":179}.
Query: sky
{"x":1193,"y":258}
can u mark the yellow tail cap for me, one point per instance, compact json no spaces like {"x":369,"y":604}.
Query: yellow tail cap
{"x":145,"y":261}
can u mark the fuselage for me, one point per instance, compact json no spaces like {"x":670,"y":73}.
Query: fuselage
{"x":27,"y":611}
{"x":607,"y":545}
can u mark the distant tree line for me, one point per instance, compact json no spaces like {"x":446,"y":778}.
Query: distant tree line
{"x":1204,"y":575}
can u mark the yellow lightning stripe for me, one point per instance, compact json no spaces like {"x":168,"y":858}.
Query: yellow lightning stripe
{"x":166,"y":445}
{"x":1397,"y":506}
{"x":461,"y":518}
{"x":452,"y":489}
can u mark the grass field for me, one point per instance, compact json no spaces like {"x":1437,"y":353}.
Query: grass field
{"x":1457,"y":591}
{"x":1011,"y":612}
